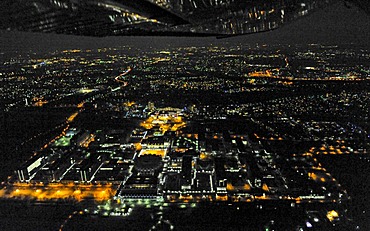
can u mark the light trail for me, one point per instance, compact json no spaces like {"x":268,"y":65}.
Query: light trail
{"x":67,"y":219}
{"x":118,"y":78}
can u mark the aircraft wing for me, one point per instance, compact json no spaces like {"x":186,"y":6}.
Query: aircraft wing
{"x":153,"y":17}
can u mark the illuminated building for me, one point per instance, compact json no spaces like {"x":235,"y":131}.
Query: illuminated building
{"x":28,"y":170}
{"x":186,"y":172}
{"x":90,"y":166}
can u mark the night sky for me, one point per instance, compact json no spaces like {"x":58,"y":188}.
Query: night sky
{"x":337,"y":24}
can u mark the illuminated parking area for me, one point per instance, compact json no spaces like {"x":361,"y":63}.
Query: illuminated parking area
{"x":158,"y":152}
{"x":167,"y":121}
{"x":332,"y":215}
{"x":51,"y":192}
